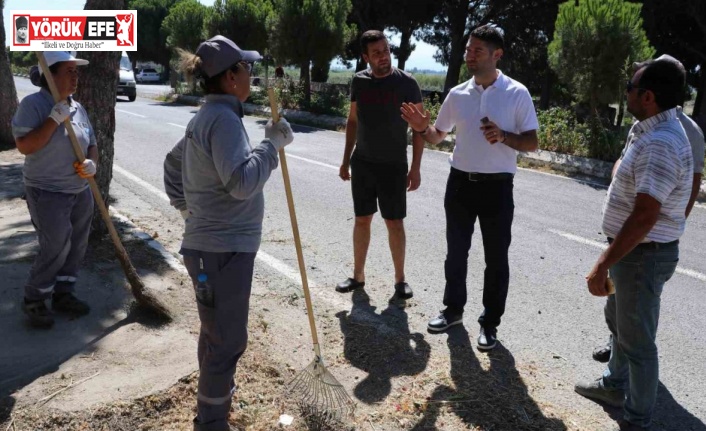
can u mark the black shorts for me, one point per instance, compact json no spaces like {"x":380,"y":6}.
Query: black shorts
{"x":385,"y":183}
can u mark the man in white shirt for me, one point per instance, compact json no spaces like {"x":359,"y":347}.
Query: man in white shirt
{"x":494,"y":118}
{"x":643,"y":217}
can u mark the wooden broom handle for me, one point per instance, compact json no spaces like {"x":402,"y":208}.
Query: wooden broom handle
{"x":122,"y":254}
{"x":295,"y":225}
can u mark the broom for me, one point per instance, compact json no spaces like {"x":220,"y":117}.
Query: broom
{"x":138,"y":289}
{"x":317,"y":390}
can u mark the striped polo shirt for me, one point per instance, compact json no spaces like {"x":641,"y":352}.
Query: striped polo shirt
{"x":658,"y":161}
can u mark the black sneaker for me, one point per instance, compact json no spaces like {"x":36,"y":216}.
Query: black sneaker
{"x":349,"y":285}
{"x":445,"y":320}
{"x":487,"y":339}
{"x":403,"y":291}
{"x":69,"y":304}
{"x":38,"y":313}
{"x":602,"y":354}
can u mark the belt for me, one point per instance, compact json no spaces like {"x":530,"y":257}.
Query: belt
{"x":651,"y":245}
{"x":478,"y":176}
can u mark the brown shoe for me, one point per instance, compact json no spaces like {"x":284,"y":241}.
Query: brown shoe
{"x":38,"y":313}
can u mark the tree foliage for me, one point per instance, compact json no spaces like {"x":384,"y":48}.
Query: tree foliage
{"x":305,"y":31}
{"x":678,"y":28}
{"x":245,"y":22}
{"x":407,"y":18}
{"x":183,"y":27}
{"x":594,"y":45}
{"x":151,"y":40}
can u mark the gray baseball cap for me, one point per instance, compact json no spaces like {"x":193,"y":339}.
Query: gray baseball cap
{"x":219,"y":53}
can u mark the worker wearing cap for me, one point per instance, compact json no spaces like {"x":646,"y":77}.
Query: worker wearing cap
{"x":21,"y":26}
{"x":216,"y":177}
{"x":59,"y":199}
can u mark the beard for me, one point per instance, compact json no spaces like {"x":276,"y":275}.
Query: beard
{"x":382,"y":70}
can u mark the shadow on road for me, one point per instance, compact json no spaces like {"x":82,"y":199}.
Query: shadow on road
{"x":495,"y":399}
{"x":28,"y":353}
{"x":381,"y":345}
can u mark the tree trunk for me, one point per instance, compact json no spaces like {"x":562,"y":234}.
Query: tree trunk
{"x":320,"y":71}
{"x":97,"y":89}
{"x":545,"y":98}
{"x":405,"y":48}
{"x":458,"y":45}
{"x":305,"y":79}
{"x":8,"y":97}
{"x":360,"y":65}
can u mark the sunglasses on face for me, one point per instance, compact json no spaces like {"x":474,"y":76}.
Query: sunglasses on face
{"x":630,"y":86}
{"x":248,"y":67}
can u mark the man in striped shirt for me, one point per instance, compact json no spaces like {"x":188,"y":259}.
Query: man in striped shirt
{"x":696,"y":139}
{"x":643,"y":218}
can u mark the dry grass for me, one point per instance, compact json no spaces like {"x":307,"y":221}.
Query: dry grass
{"x":397,"y":379}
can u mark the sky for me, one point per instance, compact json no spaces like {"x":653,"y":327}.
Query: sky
{"x":421,"y":58}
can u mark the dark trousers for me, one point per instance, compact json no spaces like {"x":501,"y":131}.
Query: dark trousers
{"x":491,"y":202}
{"x":62,"y":222}
{"x":224,"y":330}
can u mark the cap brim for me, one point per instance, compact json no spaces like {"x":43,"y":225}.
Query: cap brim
{"x":80,"y":62}
{"x":251,"y":56}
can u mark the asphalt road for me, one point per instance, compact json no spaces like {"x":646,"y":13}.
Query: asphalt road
{"x":556,"y":240}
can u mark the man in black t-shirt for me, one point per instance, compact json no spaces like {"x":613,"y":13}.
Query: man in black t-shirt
{"x":379,"y":164}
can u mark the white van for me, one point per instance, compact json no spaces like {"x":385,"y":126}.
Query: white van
{"x":126,"y":83}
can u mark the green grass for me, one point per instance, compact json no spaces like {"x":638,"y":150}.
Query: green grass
{"x":430,"y":82}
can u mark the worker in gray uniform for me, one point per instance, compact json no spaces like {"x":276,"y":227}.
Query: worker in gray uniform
{"x":219,"y":183}
{"x":56,"y":188}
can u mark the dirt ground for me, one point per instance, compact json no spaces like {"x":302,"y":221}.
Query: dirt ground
{"x":132,"y":372}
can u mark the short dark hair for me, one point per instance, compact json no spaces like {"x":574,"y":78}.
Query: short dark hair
{"x":490,"y":34}
{"x":43,"y":79}
{"x":370,"y":36}
{"x":666,"y":80}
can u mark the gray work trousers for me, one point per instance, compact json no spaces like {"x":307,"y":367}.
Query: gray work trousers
{"x":62,"y":222}
{"x":223,"y":312}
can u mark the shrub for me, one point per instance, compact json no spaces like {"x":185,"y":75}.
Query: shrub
{"x":559,"y":131}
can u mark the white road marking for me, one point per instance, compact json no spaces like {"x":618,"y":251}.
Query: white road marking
{"x":276,"y":264}
{"x":291,"y":156}
{"x":131,"y":113}
{"x":177,"y":125}
{"x":152,"y":189}
{"x":684,"y":271}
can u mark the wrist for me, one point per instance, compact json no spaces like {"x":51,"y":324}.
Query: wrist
{"x":423,"y":132}
{"x":504,"y":139}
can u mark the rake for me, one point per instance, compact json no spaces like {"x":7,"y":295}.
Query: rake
{"x":320,"y":395}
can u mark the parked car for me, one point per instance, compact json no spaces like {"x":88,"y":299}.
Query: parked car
{"x":147,"y":75}
{"x":126,"y":82}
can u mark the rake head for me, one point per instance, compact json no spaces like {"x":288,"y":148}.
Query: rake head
{"x":320,"y":395}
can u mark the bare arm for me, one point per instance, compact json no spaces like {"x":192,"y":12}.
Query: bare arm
{"x":417,"y":146}
{"x":351,"y":135}
{"x":696,"y":184}
{"x":525,"y":141}
{"x":615,"y":168}
{"x":418,"y":120}
{"x":37,"y":138}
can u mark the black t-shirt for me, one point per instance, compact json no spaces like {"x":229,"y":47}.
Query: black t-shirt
{"x":382,"y":133}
